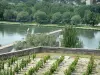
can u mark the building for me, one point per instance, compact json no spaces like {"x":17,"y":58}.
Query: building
{"x":89,"y":2}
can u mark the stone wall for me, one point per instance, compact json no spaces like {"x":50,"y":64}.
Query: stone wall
{"x":20,"y":52}
{"x":71,"y":50}
{"x":51,"y":50}
{"x":7,"y":48}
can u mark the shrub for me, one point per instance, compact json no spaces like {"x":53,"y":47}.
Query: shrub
{"x":54,"y":66}
{"x":11,"y":61}
{"x":36,"y":40}
{"x":16,"y":69}
{"x":38,"y":65}
{"x":46,"y":58}
{"x":33,"y":56}
{"x":90,"y":66}
{"x":70,"y":38}
{"x":71,"y":67}
{"x":1,"y":65}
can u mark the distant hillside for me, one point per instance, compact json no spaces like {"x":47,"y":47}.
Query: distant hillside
{"x":64,"y":1}
{"x":17,"y":0}
{"x":49,"y":11}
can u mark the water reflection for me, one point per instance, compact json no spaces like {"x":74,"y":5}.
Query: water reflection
{"x":11,"y":33}
{"x":87,"y":33}
{"x":90,"y":38}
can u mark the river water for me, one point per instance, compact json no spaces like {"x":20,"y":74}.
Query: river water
{"x":11,"y":33}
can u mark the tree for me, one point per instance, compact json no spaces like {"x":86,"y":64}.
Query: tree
{"x":40,"y":17}
{"x":66,"y":17}
{"x":23,"y":16}
{"x":3,"y":6}
{"x":90,"y":18}
{"x":98,"y":17}
{"x":76,"y":19}
{"x":10,"y":15}
{"x":70,"y":38}
{"x":33,"y":10}
{"x":80,"y":10}
{"x":56,"y":17}
{"x":78,"y":1}
{"x":52,"y":11}
{"x":31,"y":2}
{"x":21,"y":6}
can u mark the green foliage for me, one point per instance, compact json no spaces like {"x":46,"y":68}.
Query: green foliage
{"x":25,"y":74}
{"x":56,"y":17}
{"x":54,"y":66}
{"x":10,"y":15}
{"x":20,"y":45}
{"x":40,"y":17}
{"x":23,"y":16}
{"x":47,"y":73}
{"x":66,"y":16}
{"x":71,"y":67}
{"x":30,"y":72}
{"x":11,"y":71}
{"x":76,"y":19}
{"x":38,"y":65}
{"x":16,"y":69}
{"x":46,"y":58}
{"x":11,"y":61}
{"x":33,"y":56}
{"x":1,"y":65}
{"x":23,"y":64}
{"x":70,"y":38}
{"x":81,"y":10}
{"x":36,"y":40}
{"x":90,"y":66}
{"x":3,"y":6}
{"x":90,"y":18}
{"x":47,"y":11}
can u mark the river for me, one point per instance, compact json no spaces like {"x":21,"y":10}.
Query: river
{"x":12,"y":33}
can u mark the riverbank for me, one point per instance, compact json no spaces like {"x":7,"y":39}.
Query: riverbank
{"x":50,"y":25}
{"x":16,"y":23}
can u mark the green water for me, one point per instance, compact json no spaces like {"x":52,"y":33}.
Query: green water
{"x":11,"y":33}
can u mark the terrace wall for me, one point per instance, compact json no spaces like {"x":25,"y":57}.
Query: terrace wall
{"x":7,"y":48}
{"x":49,"y":50}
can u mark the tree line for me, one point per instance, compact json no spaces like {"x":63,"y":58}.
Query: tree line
{"x":49,"y":11}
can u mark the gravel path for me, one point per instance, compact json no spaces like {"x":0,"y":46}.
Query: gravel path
{"x":81,"y":66}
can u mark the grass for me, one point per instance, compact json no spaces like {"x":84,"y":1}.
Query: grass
{"x":89,"y":28}
{"x":18,"y":23}
{"x":65,"y":54}
{"x":51,"y":25}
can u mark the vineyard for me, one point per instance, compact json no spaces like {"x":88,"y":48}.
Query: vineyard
{"x":50,"y":65}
